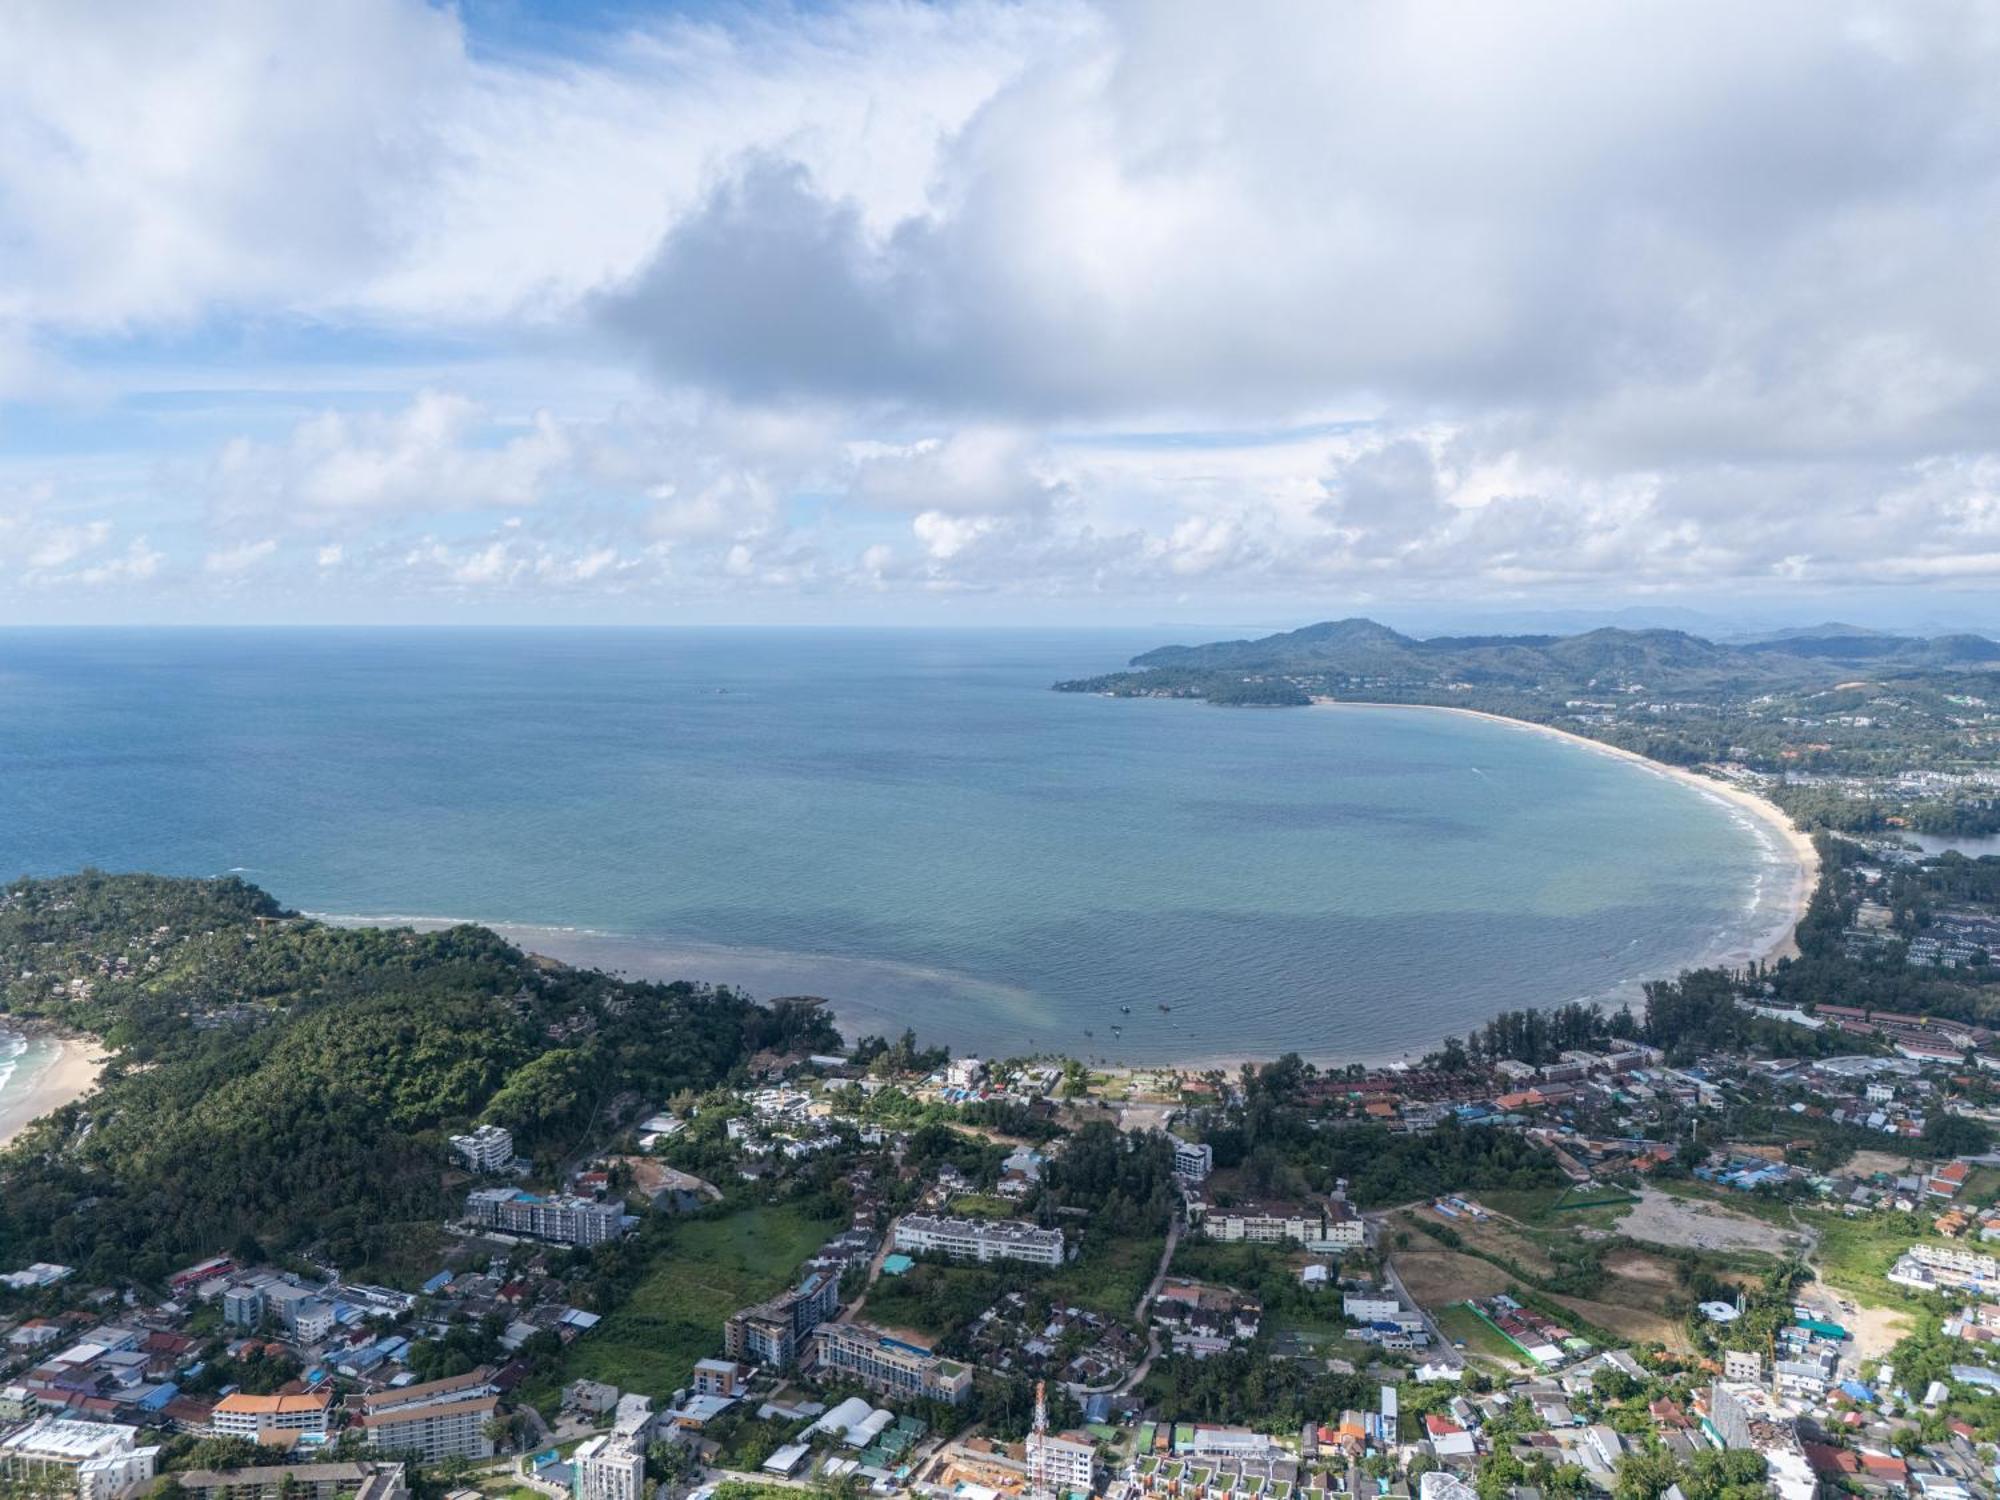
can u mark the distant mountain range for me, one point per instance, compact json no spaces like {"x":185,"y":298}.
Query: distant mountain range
{"x":1662,"y":660}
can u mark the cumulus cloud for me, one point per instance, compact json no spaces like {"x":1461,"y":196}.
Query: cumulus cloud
{"x":1057,"y":298}
{"x":426,"y":456}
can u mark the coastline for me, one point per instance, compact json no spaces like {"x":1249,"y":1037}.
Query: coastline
{"x":68,"y":1072}
{"x":1805,"y":857}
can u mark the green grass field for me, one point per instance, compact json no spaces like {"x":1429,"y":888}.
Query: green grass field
{"x":1855,"y":1254}
{"x":1563,"y":1209}
{"x":1109,"y":1274}
{"x":674,"y":1317}
{"x":981,"y":1206}
{"x":1981,"y":1188}
{"x":1462,"y":1325}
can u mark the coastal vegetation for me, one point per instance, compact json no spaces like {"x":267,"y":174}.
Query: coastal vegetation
{"x":279,"y":1084}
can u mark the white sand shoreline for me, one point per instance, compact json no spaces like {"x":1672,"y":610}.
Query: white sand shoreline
{"x":68,"y":1073}
{"x":1805,"y":878}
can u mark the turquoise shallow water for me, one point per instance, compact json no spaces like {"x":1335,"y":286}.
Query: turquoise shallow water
{"x":908,"y":823}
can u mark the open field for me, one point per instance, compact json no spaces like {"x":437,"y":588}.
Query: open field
{"x":1633,"y":1319}
{"x":1563,"y":1209}
{"x":1854,"y":1255}
{"x":1698,"y":1222}
{"x":1109,"y":1273}
{"x":1633,"y":1301}
{"x":708,"y":1269}
{"x":1462,"y":1325}
{"x":1437,"y":1276}
{"x":1494,"y":1237}
{"x":1867,"y":1163}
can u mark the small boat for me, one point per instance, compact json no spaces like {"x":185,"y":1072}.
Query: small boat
{"x":1164,"y":1006}
{"x":1124,"y":1010}
{"x":1088,"y":1032}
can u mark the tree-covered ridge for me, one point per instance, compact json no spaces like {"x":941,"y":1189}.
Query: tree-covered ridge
{"x":279,"y":1079}
{"x":1838,"y":718}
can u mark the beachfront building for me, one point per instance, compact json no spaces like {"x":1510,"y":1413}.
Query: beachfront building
{"x":489,"y":1149}
{"x":772,"y":1333}
{"x":259,"y":1419}
{"x":437,"y":1420}
{"x":888,"y":1364}
{"x":609,"y":1467}
{"x":979,"y":1240}
{"x":1325,"y":1227}
{"x":561,"y":1217}
{"x":101,"y":1459}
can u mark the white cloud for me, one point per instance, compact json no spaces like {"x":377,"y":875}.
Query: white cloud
{"x":1050,"y":298}
{"x":425,"y":457}
{"x":229,"y":562}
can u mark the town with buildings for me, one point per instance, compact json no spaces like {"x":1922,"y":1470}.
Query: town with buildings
{"x":1746,"y":1240}
{"x":964,"y":1330}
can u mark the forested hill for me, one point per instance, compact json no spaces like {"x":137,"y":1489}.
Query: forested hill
{"x":281,"y":1080}
{"x":1358,"y":652}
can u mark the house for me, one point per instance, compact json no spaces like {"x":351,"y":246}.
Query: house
{"x":1947,"y":1181}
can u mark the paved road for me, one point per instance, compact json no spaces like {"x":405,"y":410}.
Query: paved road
{"x":1446,"y":1354}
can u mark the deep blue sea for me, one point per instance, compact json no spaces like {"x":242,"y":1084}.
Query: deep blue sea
{"x":908,"y":823}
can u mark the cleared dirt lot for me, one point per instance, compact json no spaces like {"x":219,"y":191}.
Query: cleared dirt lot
{"x":1636,"y":1323}
{"x":1495,"y":1236}
{"x":1440,"y":1277}
{"x":1661,"y":1219}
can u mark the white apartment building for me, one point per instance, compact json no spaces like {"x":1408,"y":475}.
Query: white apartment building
{"x":979,"y":1240}
{"x":252,"y":1417}
{"x":610,"y":1467}
{"x":1324,"y":1228}
{"x":1928,"y":1266}
{"x":1192,"y":1159}
{"x":100,"y":1458}
{"x":1060,"y":1465}
{"x":884,"y":1363}
{"x":489,"y":1149}
{"x":436,"y":1420}
{"x":561,"y":1217}
{"x":1363,"y":1307}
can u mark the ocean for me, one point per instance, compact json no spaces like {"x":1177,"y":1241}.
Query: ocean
{"x":907,"y":823}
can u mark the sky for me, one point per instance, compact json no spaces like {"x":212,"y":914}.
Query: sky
{"x":1042,"y":312}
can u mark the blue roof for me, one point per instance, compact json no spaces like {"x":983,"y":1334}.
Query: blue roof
{"x":1857,"y":1391}
{"x":438,"y":1282}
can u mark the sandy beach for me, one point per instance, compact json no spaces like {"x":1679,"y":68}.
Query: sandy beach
{"x":1805,"y":876}
{"x":67,"y":1072}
